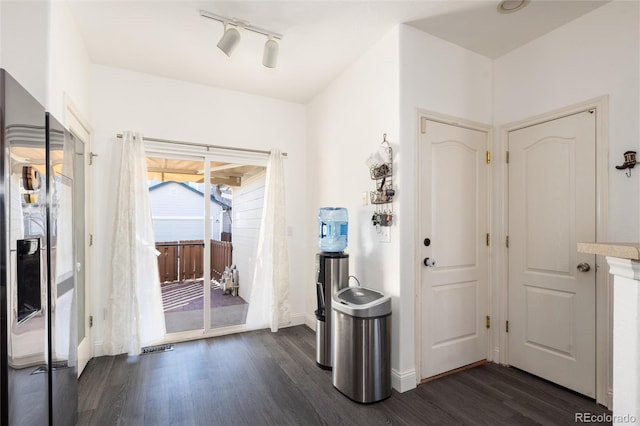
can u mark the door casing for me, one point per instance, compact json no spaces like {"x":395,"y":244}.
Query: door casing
{"x":603,"y":284}
{"x":79,"y":126}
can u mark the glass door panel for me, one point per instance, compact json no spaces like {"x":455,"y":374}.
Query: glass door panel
{"x":176,"y":189}
{"x":237,"y":196}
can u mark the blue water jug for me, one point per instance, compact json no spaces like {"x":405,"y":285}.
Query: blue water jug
{"x":333,"y":224}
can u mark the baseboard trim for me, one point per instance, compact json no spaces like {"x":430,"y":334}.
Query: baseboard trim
{"x":297,"y":319}
{"x":403,"y":382}
{"x":98,"y":349}
{"x":294,"y":320}
{"x":310,"y":321}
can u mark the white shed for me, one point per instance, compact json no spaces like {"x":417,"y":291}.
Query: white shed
{"x":177,"y":212}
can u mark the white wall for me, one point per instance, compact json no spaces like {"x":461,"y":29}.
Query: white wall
{"x":597,"y":54}
{"x":248,"y":201}
{"x":171,"y":109}
{"x":70,"y":65}
{"x":381,"y":93}
{"x":346,"y":123}
{"x":437,"y":76}
{"x":42,"y":49}
{"x":25,"y":48}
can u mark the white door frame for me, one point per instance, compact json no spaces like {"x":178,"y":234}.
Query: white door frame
{"x":79,"y":126}
{"x":603,"y":285}
{"x":468,"y":124}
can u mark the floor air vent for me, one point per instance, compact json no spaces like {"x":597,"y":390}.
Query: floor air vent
{"x":155,"y":349}
{"x":57,"y":365}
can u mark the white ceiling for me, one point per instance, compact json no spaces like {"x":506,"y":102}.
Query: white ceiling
{"x":321,"y":38}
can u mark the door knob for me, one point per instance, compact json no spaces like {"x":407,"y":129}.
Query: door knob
{"x":429,"y":262}
{"x":583,"y":267}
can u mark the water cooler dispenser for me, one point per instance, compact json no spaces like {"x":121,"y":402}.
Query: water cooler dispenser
{"x":332,"y":275}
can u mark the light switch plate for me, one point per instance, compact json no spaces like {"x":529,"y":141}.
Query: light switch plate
{"x":364,"y":199}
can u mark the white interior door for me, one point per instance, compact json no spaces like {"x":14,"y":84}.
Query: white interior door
{"x":454,"y":219}
{"x":552,"y":206}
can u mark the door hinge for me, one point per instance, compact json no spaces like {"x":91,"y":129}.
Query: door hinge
{"x":507,"y":241}
{"x":423,"y":125}
{"x":507,"y":326}
{"x":488,"y":322}
{"x":507,"y":157}
{"x":488,"y":239}
{"x":90,"y":321}
{"x":488,"y":157}
{"x":91,"y":157}
{"x":90,"y":240}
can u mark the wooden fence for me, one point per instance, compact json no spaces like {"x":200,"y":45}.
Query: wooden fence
{"x":184,"y":260}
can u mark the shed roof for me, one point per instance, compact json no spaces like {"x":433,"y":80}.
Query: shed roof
{"x":214,"y":196}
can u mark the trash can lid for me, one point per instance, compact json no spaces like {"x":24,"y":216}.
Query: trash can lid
{"x":362,"y":302}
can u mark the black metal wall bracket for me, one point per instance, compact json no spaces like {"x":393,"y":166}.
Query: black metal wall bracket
{"x":629,"y":162}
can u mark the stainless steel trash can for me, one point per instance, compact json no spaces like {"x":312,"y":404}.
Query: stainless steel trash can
{"x":362,"y":344}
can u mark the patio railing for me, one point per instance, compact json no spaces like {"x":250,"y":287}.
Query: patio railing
{"x":183,"y":260}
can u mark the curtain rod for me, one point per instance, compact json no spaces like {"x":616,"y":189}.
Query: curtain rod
{"x":201,"y":145}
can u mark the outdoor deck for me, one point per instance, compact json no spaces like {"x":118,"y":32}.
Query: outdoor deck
{"x":183,"y":304}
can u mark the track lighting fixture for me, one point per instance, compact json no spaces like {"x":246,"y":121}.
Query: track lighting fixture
{"x":229,"y":40}
{"x":231,"y":37}
{"x":270,"y":55}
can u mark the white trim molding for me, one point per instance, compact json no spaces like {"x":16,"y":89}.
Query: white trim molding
{"x":624,"y":268}
{"x":626,"y":340}
{"x":310,"y":321}
{"x":405,"y":381}
{"x":78,"y":125}
{"x":296,"y":319}
{"x":75,"y":121}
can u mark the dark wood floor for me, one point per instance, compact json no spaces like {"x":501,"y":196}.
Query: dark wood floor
{"x":264,"y":378}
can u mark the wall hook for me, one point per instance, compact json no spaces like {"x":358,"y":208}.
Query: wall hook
{"x":629,"y":162}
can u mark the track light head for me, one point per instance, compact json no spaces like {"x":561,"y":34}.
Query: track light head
{"x":270,"y":54}
{"x":229,"y":40}
{"x":231,"y":37}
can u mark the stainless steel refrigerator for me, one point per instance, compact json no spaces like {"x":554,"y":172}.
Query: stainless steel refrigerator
{"x":38,"y":350}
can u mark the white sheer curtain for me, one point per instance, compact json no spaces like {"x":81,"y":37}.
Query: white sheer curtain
{"x":134,"y":316}
{"x":268,"y":305}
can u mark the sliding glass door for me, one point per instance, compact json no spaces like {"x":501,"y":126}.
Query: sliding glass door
{"x":206,"y":233}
